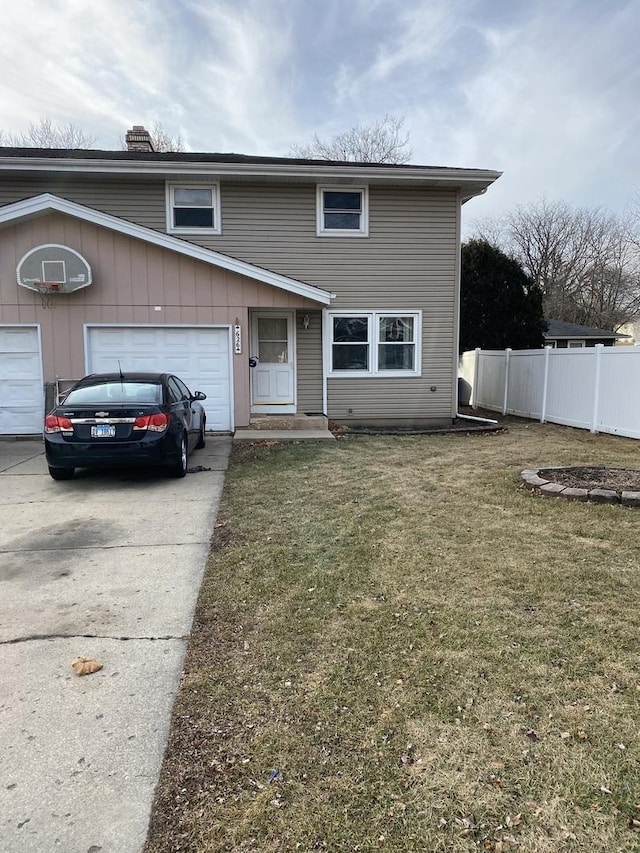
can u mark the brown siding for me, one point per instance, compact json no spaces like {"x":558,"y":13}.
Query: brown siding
{"x":128,"y":198}
{"x":376,"y":399}
{"x":309,"y":361}
{"x":130,"y":278}
{"x":411,"y":245}
{"x":407,"y":262}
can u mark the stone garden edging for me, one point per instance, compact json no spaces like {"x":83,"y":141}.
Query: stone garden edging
{"x":532,"y":480}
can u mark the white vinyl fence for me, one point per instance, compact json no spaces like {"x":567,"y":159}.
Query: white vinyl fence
{"x":595,"y":388}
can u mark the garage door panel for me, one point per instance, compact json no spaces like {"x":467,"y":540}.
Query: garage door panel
{"x":20,"y":366}
{"x":21,"y":391}
{"x":212,"y":365}
{"x":199,"y":356}
{"x":19,"y":339}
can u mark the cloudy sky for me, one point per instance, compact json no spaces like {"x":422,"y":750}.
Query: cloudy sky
{"x":547,"y":91}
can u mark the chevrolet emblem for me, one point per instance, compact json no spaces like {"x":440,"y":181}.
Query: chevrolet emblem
{"x":101,"y":414}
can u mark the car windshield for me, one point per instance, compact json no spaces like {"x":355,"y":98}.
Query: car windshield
{"x":115,"y":393}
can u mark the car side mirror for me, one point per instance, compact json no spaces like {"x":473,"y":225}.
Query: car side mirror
{"x":198,"y":395}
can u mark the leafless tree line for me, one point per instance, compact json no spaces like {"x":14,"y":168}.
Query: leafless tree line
{"x":383,"y":141}
{"x":47,"y":134}
{"x":585,"y":261}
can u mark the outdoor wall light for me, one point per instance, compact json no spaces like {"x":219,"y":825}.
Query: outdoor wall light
{"x":305,"y":321}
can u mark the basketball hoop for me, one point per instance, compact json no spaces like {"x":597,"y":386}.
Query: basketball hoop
{"x":48,"y":291}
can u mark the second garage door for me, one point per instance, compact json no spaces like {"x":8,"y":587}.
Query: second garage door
{"x":198,"y":355}
{"x":21,"y":397}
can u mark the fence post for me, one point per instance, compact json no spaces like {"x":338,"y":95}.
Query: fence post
{"x":596,"y":388}
{"x":507,"y":354}
{"x":476,"y":373}
{"x":545,"y":385}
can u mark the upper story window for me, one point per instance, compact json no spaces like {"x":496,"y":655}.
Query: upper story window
{"x":193,"y":208}
{"x":343,"y":212}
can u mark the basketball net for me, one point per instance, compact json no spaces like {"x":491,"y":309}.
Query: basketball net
{"x":48,"y":291}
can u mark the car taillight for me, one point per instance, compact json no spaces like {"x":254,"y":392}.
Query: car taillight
{"x":55,"y":423}
{"x":156,"y":423}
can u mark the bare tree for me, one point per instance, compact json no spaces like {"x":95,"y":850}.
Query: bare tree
{"x":381,"y":142}
{"x":46,"y":134}
{"x":583,"y":260}
{"x":163,"y":141}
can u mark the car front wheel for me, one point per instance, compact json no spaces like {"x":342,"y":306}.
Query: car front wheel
{"x":61,"y":473}
{"x":180,"y":468}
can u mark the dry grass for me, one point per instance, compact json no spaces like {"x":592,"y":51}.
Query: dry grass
{"x":430,"y":657}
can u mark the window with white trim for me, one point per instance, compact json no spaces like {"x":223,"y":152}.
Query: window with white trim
{"x":374,"y":343}
{"x":193,"y":208}
{"x":343,"y":211}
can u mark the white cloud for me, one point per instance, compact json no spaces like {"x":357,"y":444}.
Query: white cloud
{"x":236,"y":89}
{"x":77,"y":62}
{"x":546,"y":92}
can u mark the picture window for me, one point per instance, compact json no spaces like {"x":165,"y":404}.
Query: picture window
{"x":374,"y":343}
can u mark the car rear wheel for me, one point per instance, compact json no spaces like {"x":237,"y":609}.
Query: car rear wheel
{"x":201,"y":438}
{"x":180,"y":468}
{"x":61,"y":473}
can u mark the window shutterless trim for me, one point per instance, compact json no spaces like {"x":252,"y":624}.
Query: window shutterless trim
{"x":362,"y":231}
{"x":214,"y":186}
{"x":373,"y":341}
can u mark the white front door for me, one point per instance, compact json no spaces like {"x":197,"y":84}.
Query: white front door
{"x":272,"y":350}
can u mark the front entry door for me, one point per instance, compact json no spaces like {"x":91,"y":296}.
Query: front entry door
{"x":273,"y":377}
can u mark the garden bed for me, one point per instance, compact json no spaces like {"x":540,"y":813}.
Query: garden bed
{"x":601,"y":484}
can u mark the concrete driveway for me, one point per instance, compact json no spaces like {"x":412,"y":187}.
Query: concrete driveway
{"x":106,"y":566}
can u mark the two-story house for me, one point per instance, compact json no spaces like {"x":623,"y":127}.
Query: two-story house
{"x":274,"y":285}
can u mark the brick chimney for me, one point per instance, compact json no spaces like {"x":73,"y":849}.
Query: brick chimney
{"x":139,"y":139}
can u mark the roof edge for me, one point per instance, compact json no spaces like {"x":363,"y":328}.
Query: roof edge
{"x":476,"y":180}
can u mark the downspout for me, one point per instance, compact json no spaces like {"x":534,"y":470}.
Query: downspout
{"x":474,"y":418}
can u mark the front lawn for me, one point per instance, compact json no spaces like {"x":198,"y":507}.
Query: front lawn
{"x":396,"y":647}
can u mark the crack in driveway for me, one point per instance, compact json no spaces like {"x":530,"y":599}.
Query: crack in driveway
{"x":21,"y":462}
{"x":33,"y":637}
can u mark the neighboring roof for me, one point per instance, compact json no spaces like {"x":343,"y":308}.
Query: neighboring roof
{"x":471,"y":182}
{"x":42,"y":204}
{"x":560,"y":329}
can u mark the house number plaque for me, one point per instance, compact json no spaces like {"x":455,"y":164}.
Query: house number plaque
{"x":237,"y":339}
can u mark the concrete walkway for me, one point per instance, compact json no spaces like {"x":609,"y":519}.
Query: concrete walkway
{"x":106,"y":566}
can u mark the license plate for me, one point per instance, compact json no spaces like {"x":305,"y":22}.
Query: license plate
{"x":103,"y":431}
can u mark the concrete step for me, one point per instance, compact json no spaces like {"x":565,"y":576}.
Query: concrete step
{"x":286,"y":422}
{"x":283,"y":435}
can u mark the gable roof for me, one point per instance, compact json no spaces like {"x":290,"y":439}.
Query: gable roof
{"x":561,"y":329}
{"x":46,"y":202}
{"x":470,"y":182}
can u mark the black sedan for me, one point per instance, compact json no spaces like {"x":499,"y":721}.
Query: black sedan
{"x":136,"y":419}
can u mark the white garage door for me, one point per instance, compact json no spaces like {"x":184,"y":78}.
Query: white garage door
{"x":21,"y":389}
{"x":198,"y":355}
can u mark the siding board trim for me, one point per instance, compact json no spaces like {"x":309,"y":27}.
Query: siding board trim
{"x":46,"y":201}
